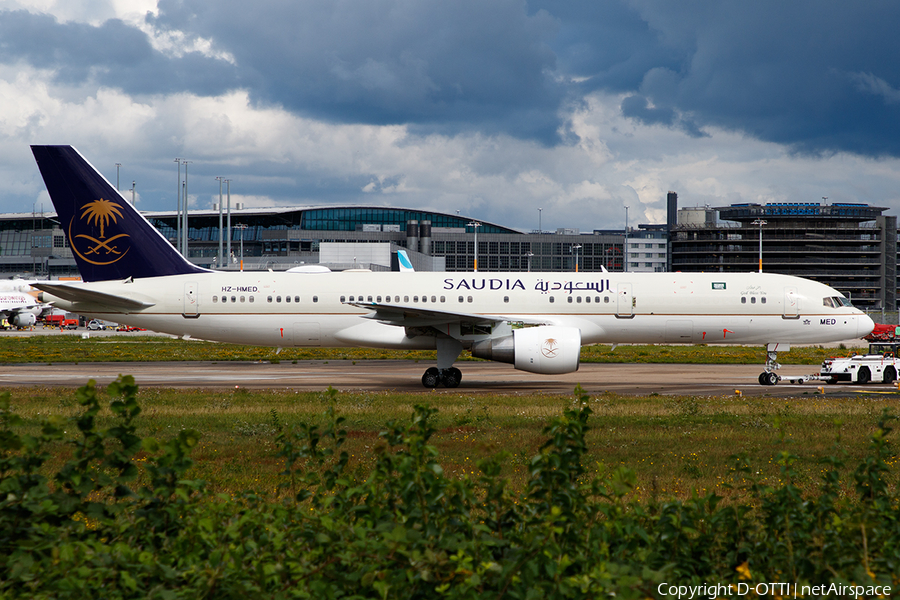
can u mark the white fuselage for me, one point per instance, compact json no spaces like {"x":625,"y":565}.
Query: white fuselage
{"x":298,"y":309}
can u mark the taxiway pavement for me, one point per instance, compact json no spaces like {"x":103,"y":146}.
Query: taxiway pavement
{"x":405,"y":376}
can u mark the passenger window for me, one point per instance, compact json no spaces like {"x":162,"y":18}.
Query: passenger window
{"x":743,"y":299}
{"x":569,"y":299}
{"x":224,"y":299}
{"x":269,"y":298}
{"x":552,"y":299}
{"x":433,"y":299}
{"x":753,"y":300}
{"x":578,"y":300}
{"x":252,"y":298}
{"x":587,"y":299}
{"x":443,"y":299}
{"x":415,"y":298}
{"x":378,"y":299}
{"x":406,"y":298}
{"x":296,"y":298}
{"x":461,"y":299}
{"x":762,"y":300}
{"x":506,"y":299}
{"x":606,"y":299}
{"x":315,"y":298}
{"x":277,"y":298}
{"x":470,"y":298}
{"x":397,"y":299}
{"x":343,"y":298}
{"x":215,"y":298}
{"x":242,"y":298}
{"x":233,"y":299}
{"x":287,"y":298}
{"x":370,"y":298}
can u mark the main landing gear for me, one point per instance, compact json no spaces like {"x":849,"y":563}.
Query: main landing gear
{"x":449,"y":378}
{"x":444,"y":373}
{"x":769,"y":377}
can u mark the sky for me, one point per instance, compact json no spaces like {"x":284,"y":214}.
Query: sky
{"x":558,"y":113}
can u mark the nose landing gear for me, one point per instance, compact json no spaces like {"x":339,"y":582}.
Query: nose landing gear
{"x":769,"y":377}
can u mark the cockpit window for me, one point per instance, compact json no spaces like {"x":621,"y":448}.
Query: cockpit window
{"x":836,"y":302}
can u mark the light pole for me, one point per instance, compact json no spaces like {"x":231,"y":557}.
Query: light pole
{"x":184,"y":227}
{"x":228,"y":222}
{"x":528,"y":256}
{"x":178,"y":209}
{"x":117,"y":175}
{"x":540,"y":226}
{"x":625,"y":268}
{"x":242,"y":227}
{"x":760,"y":222}
{"x":133,"y":183}
{"x":575,"y":249}
{"x":221,"y":232}
{"x":474,"y":225}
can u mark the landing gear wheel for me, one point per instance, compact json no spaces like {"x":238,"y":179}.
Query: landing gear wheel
{"x":768,"y":378}
{"x":431,"y":378}
{"x":451,"y":377}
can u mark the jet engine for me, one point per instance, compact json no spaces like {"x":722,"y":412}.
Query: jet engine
{"x":548,"y":349}
{"x":22,"y":319}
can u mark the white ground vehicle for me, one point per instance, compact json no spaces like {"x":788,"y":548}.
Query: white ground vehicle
{"x":100,"y":325}
{"x":880,"y":364}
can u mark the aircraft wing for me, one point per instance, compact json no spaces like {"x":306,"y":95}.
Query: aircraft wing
{"x":418,"y":316}
{"x":87,"y":296}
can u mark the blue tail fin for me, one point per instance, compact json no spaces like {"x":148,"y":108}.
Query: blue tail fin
{"x":108,"y":237}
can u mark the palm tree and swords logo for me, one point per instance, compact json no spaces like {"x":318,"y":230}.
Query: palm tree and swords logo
{"x":97,"y":250}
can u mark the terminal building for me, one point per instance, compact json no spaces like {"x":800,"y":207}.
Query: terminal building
{"x":339,"y":237}
{"x":851,"y":247}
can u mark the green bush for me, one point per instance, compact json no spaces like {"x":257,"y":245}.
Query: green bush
{"x":120,"y":519}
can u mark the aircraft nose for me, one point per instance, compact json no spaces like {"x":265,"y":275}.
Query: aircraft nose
{"x":865,"y":325}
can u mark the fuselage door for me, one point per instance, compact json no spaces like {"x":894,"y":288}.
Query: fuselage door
{"x":191,"y":308}
{"x":624,"y":301}
{"x":791,"y":303}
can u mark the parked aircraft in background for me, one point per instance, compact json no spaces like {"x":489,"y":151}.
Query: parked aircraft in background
{"x":20,"y":309}
{"x":535,"y":321}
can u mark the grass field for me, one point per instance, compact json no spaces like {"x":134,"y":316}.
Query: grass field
{"x":128,"y":348}
{"x":676,"y":445}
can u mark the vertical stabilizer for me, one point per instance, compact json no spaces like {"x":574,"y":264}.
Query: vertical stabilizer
{"x":108,"y":237}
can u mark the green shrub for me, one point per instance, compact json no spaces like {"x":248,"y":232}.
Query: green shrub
{"x":121,"y":519}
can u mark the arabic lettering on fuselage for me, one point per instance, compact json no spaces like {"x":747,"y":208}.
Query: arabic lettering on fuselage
{"x":545,"y":287}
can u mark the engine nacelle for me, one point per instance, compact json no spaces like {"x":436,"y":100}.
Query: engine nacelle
{"x":549,"y":349}
{"x":22,"y":319}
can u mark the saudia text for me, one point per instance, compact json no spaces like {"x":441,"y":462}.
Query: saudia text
{"x":545,"y":287}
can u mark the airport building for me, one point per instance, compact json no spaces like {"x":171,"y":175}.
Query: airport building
{"x":851,"y":247}
{"x":339,"y":237}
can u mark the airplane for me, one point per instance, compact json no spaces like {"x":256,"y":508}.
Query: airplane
{"x":537,"y":322}
{"x":20,"y":309}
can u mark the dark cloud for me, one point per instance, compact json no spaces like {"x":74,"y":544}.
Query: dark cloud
{"x":451,"y":65}
{"x":817,"y":76}
{"x":112,"y":54}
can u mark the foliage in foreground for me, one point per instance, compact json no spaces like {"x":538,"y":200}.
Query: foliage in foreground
{"x":122,"y":519}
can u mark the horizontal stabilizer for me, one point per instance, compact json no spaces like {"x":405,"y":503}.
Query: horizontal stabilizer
{"x":79,"y":294}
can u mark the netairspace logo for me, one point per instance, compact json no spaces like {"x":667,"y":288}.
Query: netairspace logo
{"x":783,"y":590}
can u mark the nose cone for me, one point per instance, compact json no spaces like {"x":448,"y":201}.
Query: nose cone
{"x":865,"y":325}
